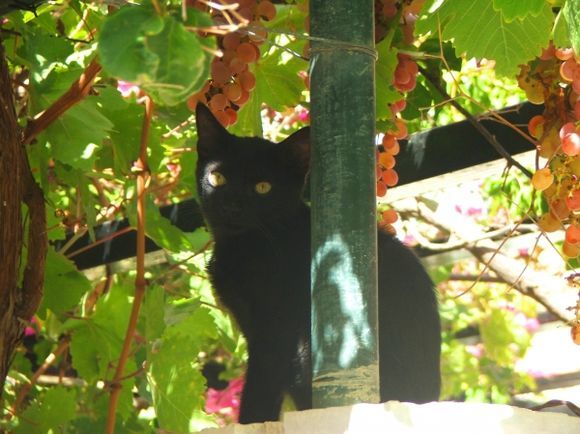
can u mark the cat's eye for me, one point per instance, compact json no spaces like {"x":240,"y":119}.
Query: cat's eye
{"x":216,"y":179}
{"x":263,"y":187}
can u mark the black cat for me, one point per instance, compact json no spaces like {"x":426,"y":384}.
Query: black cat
{"x":250,"y":191}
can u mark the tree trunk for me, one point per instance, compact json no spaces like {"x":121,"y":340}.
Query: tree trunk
{"x":19,"y":298}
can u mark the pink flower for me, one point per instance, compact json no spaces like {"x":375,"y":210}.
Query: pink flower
{"x":530,"y":324}
{"x":409,"y":240}
{"x":469,"y":211}
{"x":225,"y":403}
{"x":126,"y":88}
{"x":304,"y":115}
{"x":475,"y":350}
{"x":32,"y":329}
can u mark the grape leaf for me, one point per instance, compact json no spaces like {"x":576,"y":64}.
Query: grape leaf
{"x":167,"y":235}
{"x":45,"y":53}
{"x":153,"y":312}
{"x":92,"y":349}
{"x":277,"y":81}
{"x":498,"y":331}
{"x":480,"y":31}
{"x":249,"y":119}
{"x":518,"y":9}
{"x":54,"y":223}
{"x":571,"y":11}
{"x":127,"y":119}
{"x":155,"y":52}
{"x":560,"y":32}
{"x":122,"y":47}
{"x":63,"y":284}
{"x":96,"y":341}
{"x":77,"y":134}
{"x":177,"y":385}
{"x":277,"y":85}
{"x":385,"y":68}
{"x":182,"y":63}
{"x":49,"y":89}
{"x":50,"y":413}
{"x":112,"y":311}
{"x":188,"y":163}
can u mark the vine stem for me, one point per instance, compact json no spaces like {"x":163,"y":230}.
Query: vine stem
{"x":142,"y":171}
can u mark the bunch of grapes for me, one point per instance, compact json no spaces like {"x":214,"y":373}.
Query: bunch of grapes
{"x":406,"y":11}
{"x":554,"y":79}
{"x":405,"y":77}
{"x":401,"y":13}
{"x":231,"y":79}
{"x":386,"y":174}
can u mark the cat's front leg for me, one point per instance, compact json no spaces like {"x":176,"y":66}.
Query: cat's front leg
{"x":264,"y":387}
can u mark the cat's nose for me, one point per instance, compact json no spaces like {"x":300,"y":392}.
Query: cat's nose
{"x":234,"y":208}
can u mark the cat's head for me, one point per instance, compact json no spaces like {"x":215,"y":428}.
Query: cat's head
{"x":248,"y":183}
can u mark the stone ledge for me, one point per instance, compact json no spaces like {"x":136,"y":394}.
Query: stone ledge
{"x":397,"y":417}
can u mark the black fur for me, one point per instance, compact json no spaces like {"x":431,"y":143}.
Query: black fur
{"x":260,"y":271}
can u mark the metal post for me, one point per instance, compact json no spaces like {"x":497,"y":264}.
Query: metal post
{"x":344,"y":243}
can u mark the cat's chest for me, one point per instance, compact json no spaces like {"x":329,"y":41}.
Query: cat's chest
{"x":262,"y":266}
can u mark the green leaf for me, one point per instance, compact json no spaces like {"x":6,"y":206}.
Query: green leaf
{"x":153,"y":312}
{"x":167,"y":235}
{"x":188,"y":163}
{"x":54,"y":223}
{"x":277,"y":81}
{"x":48,"y":89}
{"x":518,"y":9}
{"x":76,"y":135}
{"x":480,"y":31}
{"x":560,"y":33}
{"x":188,"y":318}
{"x":52,"y":69}
{"x":249,"y":122}
{"x":385,"y":68}
{"x":174,"y":378}
{"x":112,"y":311}
{"x":182,"y":63}
{"x":64,"y":285}
{"x":122,"y":48}
{"x":277,"y":85}
{"x":92,"y":349}
{"x":127,"y":119}
{"x":177,"y":384}
{"x":498,"y":332}
{"x":155,"y":52}
{"x":50,"y":413}
{"x":571,"y":12}
{"x":96,"y":341}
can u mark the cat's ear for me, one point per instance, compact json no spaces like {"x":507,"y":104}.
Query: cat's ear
{"x":210,"y":132}
{"x":296,"y":147}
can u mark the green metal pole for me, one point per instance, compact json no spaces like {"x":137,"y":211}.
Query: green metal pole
{"x":344,"y":234}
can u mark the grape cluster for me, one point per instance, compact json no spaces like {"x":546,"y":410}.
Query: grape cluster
{"x":386,"y":174}
{"x":554,"y":79}
{"x":231,"y":79}
{"x":402,"y":13}
{"x":406,"y":11}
